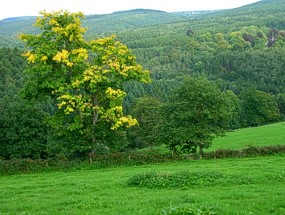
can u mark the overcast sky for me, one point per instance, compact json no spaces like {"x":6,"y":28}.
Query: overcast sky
{"x":14,"y":8}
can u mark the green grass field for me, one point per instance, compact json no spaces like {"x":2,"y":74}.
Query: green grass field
{"x":267,"y":135}
{"x":244,"y":186}
{"x":273,"y":134}
{"x":257,"y":186}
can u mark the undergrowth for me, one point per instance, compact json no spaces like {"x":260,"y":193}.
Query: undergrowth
{"x":10,"y":167}
{"x":185,"y":179}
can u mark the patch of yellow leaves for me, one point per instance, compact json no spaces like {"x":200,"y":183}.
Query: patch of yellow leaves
{"x":63,"y":57}
{"x":31,"y":57}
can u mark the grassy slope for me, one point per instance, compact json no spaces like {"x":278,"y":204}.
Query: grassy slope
{"x":272,"y":134}
{"x":105,"y":191}
{"x":267,"y":135}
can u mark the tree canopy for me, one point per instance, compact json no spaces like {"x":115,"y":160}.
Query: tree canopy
{"x":83,"y":78}
{"x":79,"y":79}
{"x":195,"y":114}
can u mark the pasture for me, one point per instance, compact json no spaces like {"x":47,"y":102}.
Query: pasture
{"x":267,"y":135}
{"x":247,"y":186}
{"x":253,"y":185}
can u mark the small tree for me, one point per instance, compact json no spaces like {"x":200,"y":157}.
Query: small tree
{"x":195,"y":114}
{"x":84,"y":78}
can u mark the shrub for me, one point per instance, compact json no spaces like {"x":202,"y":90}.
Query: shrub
{"x":24,"y":166}
{"x":223,"y":153}
{"x":134,"y":158}
{"x":180,"y":179}
{"x":17,"y":166}
{"x":246,"y":152}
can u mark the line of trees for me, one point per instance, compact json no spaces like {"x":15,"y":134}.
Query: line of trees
{"x":183,"y":115}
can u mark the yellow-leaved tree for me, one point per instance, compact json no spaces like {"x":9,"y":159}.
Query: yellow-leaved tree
{"x":83,"y":78}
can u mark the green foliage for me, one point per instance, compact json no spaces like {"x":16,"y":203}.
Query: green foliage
{"x":234,"y":110}
{"x":158,"y":89}
{"x":32,"y":166}
{"x":106,"y":160}
{"x":280,"y":99}
{"x":129,"y":20}
{"x":83,"y":78}
{"x":258,"y":108}
{"x":102,"y":160}
{"x":195,"y":114}
{"x":249,"y":151}
{"x":262,"y":69}
{"x":167,"y":52}
{"x":102,"y":25}
{"x":180,"y":179}
{"x":147,"y":112}
{"x":239,"y":49}
{"x":23,"y":132}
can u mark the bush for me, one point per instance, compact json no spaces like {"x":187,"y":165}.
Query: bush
{"x":223,"y":153}
{"x":180,"y":179}
{"x":20,"y":166}
{"x":134,"y":158}
{"x":24,"y":166}
{"x":246,"y":152}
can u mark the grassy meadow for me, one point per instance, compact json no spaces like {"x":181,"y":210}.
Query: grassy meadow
{"x":248,"y":186}
{"x":253,"y":185}
{"x":267,"y":135}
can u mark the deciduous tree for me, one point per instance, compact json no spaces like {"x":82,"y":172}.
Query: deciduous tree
{"x":84,"y":78}
{"x":195,"y":114}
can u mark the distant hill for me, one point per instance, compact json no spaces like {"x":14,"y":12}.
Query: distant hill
{"x":132,"y":19}
{"x":195,"y":12}
{"x":98,"y":23}
{"x":13,"y":26}
{"x":268,"y":13}
{"x":138,"y":11}
{"x":172,"y":44}
{"x":15,"y":19}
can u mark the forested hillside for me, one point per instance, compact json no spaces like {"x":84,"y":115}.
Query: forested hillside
{"x":241,"y":51}
{"x":98,"y":25}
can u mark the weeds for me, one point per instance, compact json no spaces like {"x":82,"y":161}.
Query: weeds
{"x":184,"y":179}
{"x":190,"y":210}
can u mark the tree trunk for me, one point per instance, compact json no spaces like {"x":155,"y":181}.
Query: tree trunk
{"x":94,"y":121}
{"x":201,"y":152}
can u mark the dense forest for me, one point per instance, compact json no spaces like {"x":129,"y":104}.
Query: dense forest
{"x":238,"y":53}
